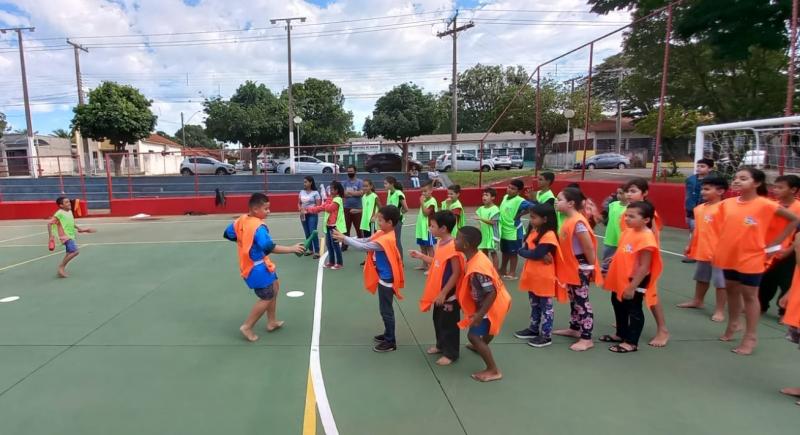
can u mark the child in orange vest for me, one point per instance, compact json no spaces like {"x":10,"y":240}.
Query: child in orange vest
{"x":791,"y":303}
{"x":702,"y":244}
{"x":254,"y":245}
{"x":446,"y":268}
{"x":743,"y":250}
{"x":484,"y":300}
{"x":633,"y":275}
{"x":334,"y":210}
{"x":579,"y":248}
{"x":383,"y":271}
{"x":542,"y":258}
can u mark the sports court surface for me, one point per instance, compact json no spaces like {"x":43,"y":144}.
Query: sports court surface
{"x":143,"y":339}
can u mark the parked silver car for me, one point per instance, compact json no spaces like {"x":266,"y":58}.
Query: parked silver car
{"x":501,"y":162}
{"x":306,"y":165}
{"x":206,"y":166}
{"x":516,"y":161}
{"x":606,"y":161}
{"x":465,"y":162}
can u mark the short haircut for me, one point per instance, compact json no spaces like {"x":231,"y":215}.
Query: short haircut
{"x":60,"y":199}
{"x":444,"y":218}
{"x":455,"y":188}
{"x":646,"y":210}
{"x":718,"y":182}
{"x":491,"y":191}
{"x":707,"y":162}
{"x":793,"y":181}
{"x":353,"y":167}
{"x":390,"y":213}
{"x":549,"y":176}
{"x":471,"y":236}
{"x":428,"y":183}
{"x":574,"y":186}
{"x":517,"y":183}
{"x":257,"y":199}
{"x":640,"y":184}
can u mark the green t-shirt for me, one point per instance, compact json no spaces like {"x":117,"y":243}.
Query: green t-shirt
{"x":67,"y":222}
{"x":489,"y":233}
{"x":613,"y":230}
{"x":461,"y":219}
{"x":542,"y":197}
{"x":422,"y":220}
{"x":509,"y":209}
{"x":393,"y":198}
{"x":369,"y":203}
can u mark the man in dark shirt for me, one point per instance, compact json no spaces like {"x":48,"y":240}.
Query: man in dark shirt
{"x":352,"y":201}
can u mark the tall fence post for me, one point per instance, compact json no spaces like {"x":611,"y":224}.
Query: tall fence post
{"x":787,"y":111}
{"x":661,"y":99}
{"x":480,"y":167}
{"x":60,"y":177}
{"x":538,"y":124}
{"x":588,"y":111}
{"x":130,"y":180}
{"x":266,"y":186}
{"x":82,"y":182}
{"x":110,"y":184}
{"x":197,"y":178}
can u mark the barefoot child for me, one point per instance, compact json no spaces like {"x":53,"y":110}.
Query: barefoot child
{"x":578,"y":246}
{"x":780,"y":268}
{"x":511,"y":208}
{"x":743,"y":250}
{"x":702,"y":243}
{"x":542,"y":259}
{"x":383,"y":271}
{"x":633,"y":276}
{"x":254,"y":244}
{"x":453,"y":204}
{"x":489,"y":215}
{"x":396,"y":197}
{"x":427,"y":208}
{"x":791,"y":303}
{"x":616,"y":211}
{"x":484,"y":300}
{"x":334,"y":220}
{"x":63,"y":224}
{"x":447,"y":266}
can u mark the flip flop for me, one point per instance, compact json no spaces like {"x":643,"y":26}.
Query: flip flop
{"x":619,"y":349}
{"x":609,"y":339}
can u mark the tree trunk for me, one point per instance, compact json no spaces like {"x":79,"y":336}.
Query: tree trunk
{"x":404,"y":167}
{"x":116,"y":159}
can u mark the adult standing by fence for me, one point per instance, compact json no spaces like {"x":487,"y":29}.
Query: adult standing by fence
{"x":352,"y":201}
{"x":309,"y":197}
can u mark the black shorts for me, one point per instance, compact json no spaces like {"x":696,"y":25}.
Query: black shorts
{"x":267,"y":293}
{"x":748,"y":279}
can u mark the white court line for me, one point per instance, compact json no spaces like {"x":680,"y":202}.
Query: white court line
{"x":154,"y":242}
{"x":152,"y":222}
{"x":22,"y":237}
{"x":323,"y":406}
{"x":31,"y":260}
{"x":662,"y":250}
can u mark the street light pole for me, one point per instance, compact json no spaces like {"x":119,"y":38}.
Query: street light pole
{"x":289,"y":89}
{"x":569,"y":114}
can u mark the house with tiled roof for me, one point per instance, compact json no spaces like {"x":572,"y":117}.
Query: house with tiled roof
{"x":154,"y":155}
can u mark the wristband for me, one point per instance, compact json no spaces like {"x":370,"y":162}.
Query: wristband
{"x":586,"y":267}
{"x":773,"y":248}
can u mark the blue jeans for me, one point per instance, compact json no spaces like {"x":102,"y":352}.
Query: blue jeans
{"x":385,"y":300}
{"x":541,"y":315}
{"x":309,"y":225}
{"x":334,"y":248}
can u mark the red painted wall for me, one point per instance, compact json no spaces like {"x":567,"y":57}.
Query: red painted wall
{"x":31,"y":209}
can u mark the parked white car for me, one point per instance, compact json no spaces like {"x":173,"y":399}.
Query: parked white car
{"x":306,"y":165}
{"x":501,"y":162}
{"x":757,"y":158}
{"x":206,"y":166}
{"x":464,"y":162}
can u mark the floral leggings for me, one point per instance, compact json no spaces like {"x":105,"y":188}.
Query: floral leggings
{"x":582,"y":316}
{"x":541,"y":315}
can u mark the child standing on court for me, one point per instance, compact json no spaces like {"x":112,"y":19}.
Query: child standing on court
{"x":427,"y":208}
{"x":511,"y":208}
{"x":694,"y":184}
{"x":791,"y":303}
{"x":383,"y":271}
{"x":702,"y":245}
{"x":453,"y":204}
{"x":743,"y":250}
{"x":396,"y":197}
{"x":488,"y":216}
{"x":446,"y":268}
{"x":484,"y":300}
{"x":369,"y":206}
{"x":542,"y":259}
{"x":254,"y":244}
{"x":616,"y":209}
{"x":579,"y":247}
{"x":780,"y":268}
{"x":544,"y":183}
{"x":633,"y":276}
{"x":334,"y":220}
{"x":63,"y":224}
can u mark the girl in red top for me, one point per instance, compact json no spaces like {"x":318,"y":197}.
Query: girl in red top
{"x":743,"y":250}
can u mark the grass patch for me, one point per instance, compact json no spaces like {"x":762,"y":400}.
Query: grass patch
{"x":470,"y":178}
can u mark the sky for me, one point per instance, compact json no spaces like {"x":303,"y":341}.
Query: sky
{"x":179,"y":52}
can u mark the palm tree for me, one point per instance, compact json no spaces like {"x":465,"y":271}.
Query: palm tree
{"x":60,"y":132}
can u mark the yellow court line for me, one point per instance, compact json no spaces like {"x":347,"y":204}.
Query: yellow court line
{"x":310,"y":414}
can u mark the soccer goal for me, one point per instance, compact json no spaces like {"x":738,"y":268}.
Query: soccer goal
{"x":769,"y":144}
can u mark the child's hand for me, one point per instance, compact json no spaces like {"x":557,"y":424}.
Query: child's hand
{"x":339,"y":237}
{"x":547,"y":259}
{"x":476,"y":320}
{"x":627,"y":294}
{"x":783,"y":300}
{"x":298,"y":249}
{"x":415,"y":254}
{"x":439,"y":299}
{"x":784,"y":253}
{"x":89,"y":230}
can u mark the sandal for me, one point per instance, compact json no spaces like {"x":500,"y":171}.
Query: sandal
{"x":610,"y":339}
{"x":619,"y":349}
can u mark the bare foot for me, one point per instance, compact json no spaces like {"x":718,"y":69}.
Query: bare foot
{"x":791,"y":391}
{"x":660,"y":340}
{"x":691,"y":304}
{"x":248,"y":333}
{"x":729,"y":333}
{"x":62,"y":273}
{"x":274,"y":326}
{"x":746,"y":347}
{"x":433,"y":350}
{"x":582,"y":345}
{"x":567,"y":333}
{"x":718,"y":316}
{"x":444,"y":361}
{"x":487,"y":376}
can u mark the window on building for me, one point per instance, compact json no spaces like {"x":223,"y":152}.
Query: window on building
{"x":472,"y":153}
{"x":502,"y":152}
{"x":435,"y":154}
{"x":423,"y":156}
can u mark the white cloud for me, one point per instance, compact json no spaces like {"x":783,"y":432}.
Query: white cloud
{"x":365,"y":63}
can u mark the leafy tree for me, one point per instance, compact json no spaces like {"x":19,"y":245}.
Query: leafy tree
{"x":117,"y":113}
{"x":678,"y":127}
{"x":402,"y":114}
{"x":62,"y":133}
{"x":253,"y":116}
{"x":320,"y":104}
{"x":3,"y":123}
{"x":196,"y":137}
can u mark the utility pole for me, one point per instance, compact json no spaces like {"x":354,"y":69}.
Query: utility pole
{"x":288,"y":22}
{"x":569,"y":127}
{"x":83,"y":146}
{"x":27,"y":102}
{"x":453,"y":32}
{"x":183,"y":131}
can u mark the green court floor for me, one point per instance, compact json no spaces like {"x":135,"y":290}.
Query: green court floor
{"x":143,"y":339}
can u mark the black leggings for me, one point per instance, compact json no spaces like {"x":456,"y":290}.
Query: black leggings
{"x":778,"y":276}
{"x":630,"y":317}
